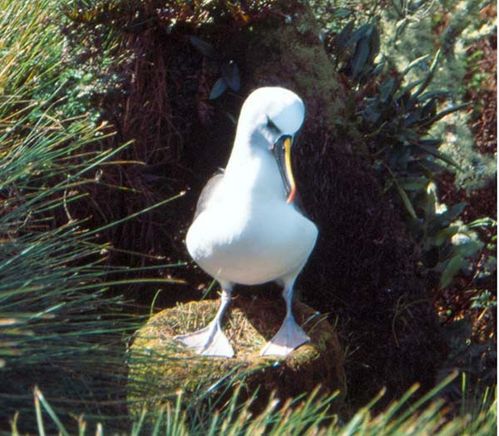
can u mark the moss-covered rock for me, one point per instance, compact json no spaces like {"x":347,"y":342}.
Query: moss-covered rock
{"x":159,"y":367}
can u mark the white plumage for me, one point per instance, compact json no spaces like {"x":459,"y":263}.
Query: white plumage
{"x":247,"y":229}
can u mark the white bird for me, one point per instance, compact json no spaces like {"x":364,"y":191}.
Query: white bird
{"x":247,"y":228}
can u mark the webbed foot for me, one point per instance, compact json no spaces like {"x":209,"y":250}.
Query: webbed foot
{"x":209,"y":341}
{"x":289,"y":337}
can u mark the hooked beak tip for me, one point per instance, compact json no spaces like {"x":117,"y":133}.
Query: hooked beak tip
{"x":289,"y":171}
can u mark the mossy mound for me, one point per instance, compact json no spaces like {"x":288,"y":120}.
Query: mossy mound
{"x":159,"y":367}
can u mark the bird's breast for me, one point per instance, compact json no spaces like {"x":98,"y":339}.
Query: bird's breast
{"x":251,"y":241}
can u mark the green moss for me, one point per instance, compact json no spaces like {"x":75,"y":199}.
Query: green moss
{"x":159,"y":367}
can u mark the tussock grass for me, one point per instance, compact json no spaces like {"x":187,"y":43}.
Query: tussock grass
{"x":59,"y":325}
{"x":307,"y":415}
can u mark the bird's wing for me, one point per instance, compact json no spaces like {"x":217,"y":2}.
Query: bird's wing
{"x":207,"y":192}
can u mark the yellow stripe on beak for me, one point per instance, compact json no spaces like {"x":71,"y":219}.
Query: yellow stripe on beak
{"x":289,"y":172}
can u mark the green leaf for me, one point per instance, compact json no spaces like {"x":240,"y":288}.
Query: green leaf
{"x":400,"y":26}
{"x":370,"y":114}
{"x":407,"y":136}
{"x":431,"y":142}
{"x":386,"y":89}
{"x":413,"y":183}
{"x":374,"y":43}
{"x":470,"y":248}
{"x":453,"y":266}
{"x":406,"y":90}
{"x":444,"y":235}
{"x":406,"y":200}
{"x":205,"y":48}
{"x":444,"y":113}
{"x":378,"y":69}
{"x":438,"y":154}
{"x":415,"y":63}
{"x":428,"y":78}
{"x":343,"y":13}
{"x":430,"y":167}
{"x":482,"y":222}
{"x":360,"y":33}
{"x":48,"y":408}
{"x":454,"y":211}
{"x":218,"y":88}
{"x":412,"y":118}
{"x":429,"y":109}
{"x":405,"y":101}
{"x":230,"y":73}
{"x":344,"y":36}
{"x":434,"y":94}
{"x":360,"y":57}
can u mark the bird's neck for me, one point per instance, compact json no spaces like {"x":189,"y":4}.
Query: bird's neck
{"x":253,"y":170}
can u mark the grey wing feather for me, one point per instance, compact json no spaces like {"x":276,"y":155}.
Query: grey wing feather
{"x":207,"y":192}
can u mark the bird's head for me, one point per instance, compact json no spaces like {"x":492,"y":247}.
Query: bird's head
{"x":272,"y":116}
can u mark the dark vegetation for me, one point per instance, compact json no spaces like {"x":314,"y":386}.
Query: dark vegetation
{"x":169,"y":78}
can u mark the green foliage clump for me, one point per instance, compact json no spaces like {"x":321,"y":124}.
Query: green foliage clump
{"x":414,"y":31}
{"x":396,"y":117}
{"x":307,"y":415}
{"x":39,"y":177}
{"x":58,"y":326}
{"x":417,"y":129}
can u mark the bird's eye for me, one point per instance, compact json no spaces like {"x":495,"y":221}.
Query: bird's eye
{"x":271,"y":125}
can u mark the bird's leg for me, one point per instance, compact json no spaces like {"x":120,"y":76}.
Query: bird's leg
{"x":290,"y":335}
{"x":211,"y":340}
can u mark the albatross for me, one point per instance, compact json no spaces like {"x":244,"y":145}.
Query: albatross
{"x":247,"y":228}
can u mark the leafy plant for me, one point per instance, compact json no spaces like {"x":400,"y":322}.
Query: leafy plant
{"x":396,"y":118}
{"x":229,"y":70}
{"x":398,"y":112}
{"x":356,"y":50}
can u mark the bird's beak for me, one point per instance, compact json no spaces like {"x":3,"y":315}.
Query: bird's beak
{"x":282,"y":153}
